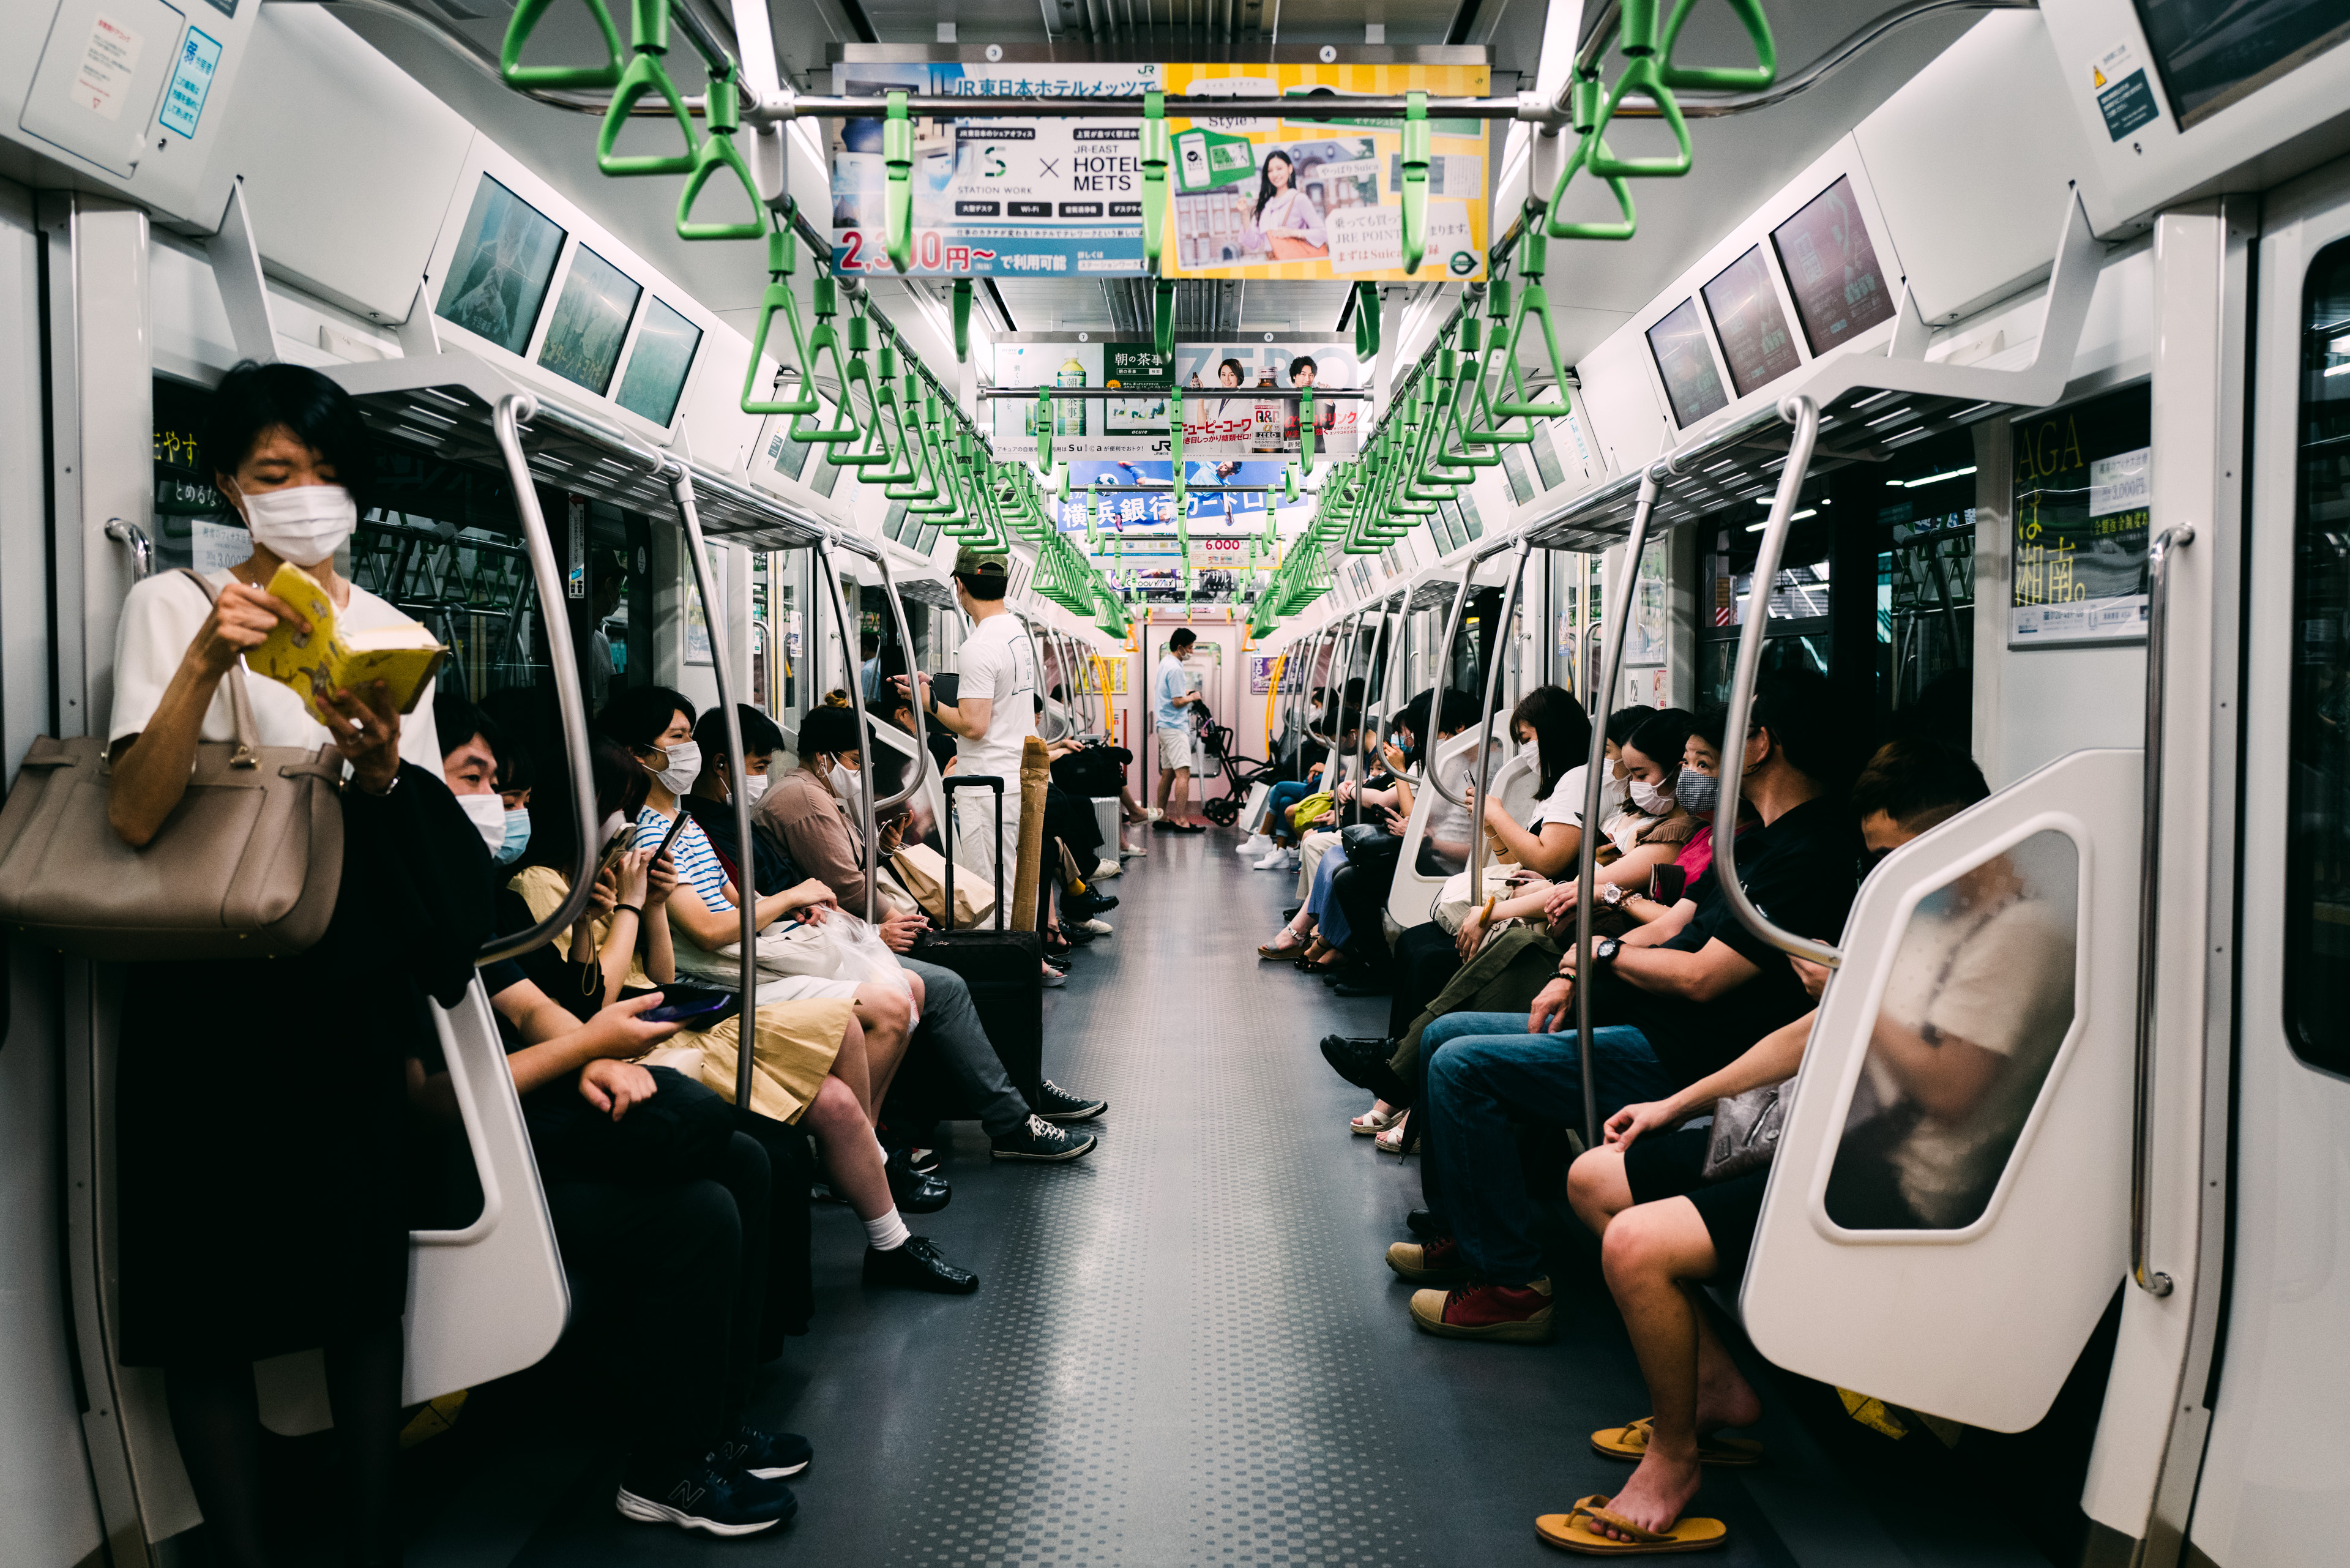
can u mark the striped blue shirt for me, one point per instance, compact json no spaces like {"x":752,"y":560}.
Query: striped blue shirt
{"x":698,"y":866}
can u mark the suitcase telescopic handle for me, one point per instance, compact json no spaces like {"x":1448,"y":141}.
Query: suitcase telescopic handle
{"x":994,"y":786}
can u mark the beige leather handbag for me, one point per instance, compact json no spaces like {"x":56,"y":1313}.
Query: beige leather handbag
{"x":248,"y":865}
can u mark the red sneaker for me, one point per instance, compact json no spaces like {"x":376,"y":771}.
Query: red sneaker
{"x":1439,"y":1262}
{"x":1516,"y":1315}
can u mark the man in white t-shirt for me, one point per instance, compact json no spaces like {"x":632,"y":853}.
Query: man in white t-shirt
{"x":1175,"y":691}
{"x":994,"y":711}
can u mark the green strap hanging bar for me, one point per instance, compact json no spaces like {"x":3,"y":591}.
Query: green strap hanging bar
{"x":1153,"y":160}
{"x":853,"y":374}
{"x":645,"y":72}
{"x":821,"y":341}
{"x":897,"y":163}
{"x":1304,"y":437}
{"x":1415,"y":179}
{"x":1044,"y":427}
{"x":779,"y":300}
{"x":526,"y":19}
{"x":962,"y":311}
{"x":1534,"y":301}
{"x":718,"y":152}
{"x":1366,"y":320}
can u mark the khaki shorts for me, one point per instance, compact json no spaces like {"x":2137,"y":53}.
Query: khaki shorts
{"x":1175,"y":748}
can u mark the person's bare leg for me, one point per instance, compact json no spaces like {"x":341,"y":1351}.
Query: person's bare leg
{"x":852,"y":1161}
{"x":1652,"y":1254}
{"x":852,"y":1067}
{"x":1596,"y":1189}
{"x":1179,"y":803}
{"x":887,"y":1015}
{"x":1166,"y":796}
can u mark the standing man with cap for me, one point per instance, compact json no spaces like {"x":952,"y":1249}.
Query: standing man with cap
{"x":995,"y":707}
{"x":1175,"y":689}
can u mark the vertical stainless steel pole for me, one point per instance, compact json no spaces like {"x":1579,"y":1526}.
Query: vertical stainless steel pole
{"x":1482,"y":776}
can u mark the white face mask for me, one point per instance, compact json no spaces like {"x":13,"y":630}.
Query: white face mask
{"x":1653,"y":800}
{"x":304,"y":523}
{"x":755,"y":787}
{"x":488,"y":813}
{"x":844,"y":782}
{"x":684,"y":767}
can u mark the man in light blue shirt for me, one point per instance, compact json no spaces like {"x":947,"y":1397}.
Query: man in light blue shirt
{"x":1174,"y":692}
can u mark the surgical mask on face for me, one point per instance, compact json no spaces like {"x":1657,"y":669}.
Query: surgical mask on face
{"x":488,"y":813}
{"x":304,"y":523}
{"x":844,"y":782}
{"x":1701,"y":793}
{"x":684,"y":767}
{"x":518,"y":839}
{"x":1612,"y":795}
{"x":1653,"y":800}
{"x":755,"y":787}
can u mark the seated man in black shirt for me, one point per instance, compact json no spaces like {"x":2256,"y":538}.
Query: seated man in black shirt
{"x":1681,"y":997}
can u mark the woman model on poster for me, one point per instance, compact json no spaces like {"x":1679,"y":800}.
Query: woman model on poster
{"x":1285,"y":220}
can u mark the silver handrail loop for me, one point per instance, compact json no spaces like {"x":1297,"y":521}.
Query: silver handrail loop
{"x":1442,"y":678}
{"x":1484,"y":776}
{"x":1804,"y":415}
{"x":843,"y":626}
{"x":2152,"y":1281}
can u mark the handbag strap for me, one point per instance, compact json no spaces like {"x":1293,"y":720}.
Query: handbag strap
{"x":240,"y":700}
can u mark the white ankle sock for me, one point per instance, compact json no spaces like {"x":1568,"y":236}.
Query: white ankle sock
{"x":887,"y":1233}
{"x":877,"y":1144}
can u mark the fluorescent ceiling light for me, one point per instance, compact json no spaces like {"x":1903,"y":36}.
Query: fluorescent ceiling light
{"x":2338,"y":370}
{"x":1807,"y":512}
{"x":1930,"y":479}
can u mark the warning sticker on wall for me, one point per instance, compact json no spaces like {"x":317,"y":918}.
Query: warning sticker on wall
{"x":108,"y":63}
{"x":2124,"y":96}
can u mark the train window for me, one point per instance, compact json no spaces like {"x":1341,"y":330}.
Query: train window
{"x":591,"y":321}
{"x":1685,"y":359}
{"x":2317,"y":809}
{"x":659,"y":363}
{"x":1755,"y":341}
{"x":499,"y":274}
{"x":1832,"y":269}
{"x":1545,"y":458}
{"x":1521,"y":484}
{"x":2081,"y":489}
{"x":2212,"y":53}
{"x":1978,"y":1001}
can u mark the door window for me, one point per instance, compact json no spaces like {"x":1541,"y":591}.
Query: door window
{"x":1977,"y":1002}
{"x":2317,"y":810}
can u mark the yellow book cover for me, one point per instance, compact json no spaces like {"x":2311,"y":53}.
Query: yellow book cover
{"x":325,"y":657}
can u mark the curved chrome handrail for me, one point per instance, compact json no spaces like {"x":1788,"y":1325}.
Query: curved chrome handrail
{"x":1363,"y":723}
{"x":905,"y":640}
{"x":1804,"y":415}
{"x":505,"y":422}
{"x":1484,"y":776}
{"x":2152,"y":1281}
{"x":1442,"y":676}
{"x":846,"y":631}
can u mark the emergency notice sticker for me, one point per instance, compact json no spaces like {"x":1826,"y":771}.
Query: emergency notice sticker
{"x":107,"y":64}
{"x":191,"y":84}
{"x":2124,"y":96}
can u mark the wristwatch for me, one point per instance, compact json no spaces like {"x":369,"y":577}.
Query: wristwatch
{"x":1605,"y":949}
{"x":1612,"y":895}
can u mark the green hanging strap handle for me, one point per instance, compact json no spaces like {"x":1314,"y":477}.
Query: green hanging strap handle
{"x":865,"y":454}
{"x":1586,"y":94}
{"x":1643,"y":74}
{"x":1415,"y":179}
{"x":1722,"y":78}
{"x":1468,"y":400}
{"x":1532,"y":302}
{"x":1162,"y":323}
{"x":921,"y":481}
{"x":1154,"y":178}
{"x":886,"y":411}
{"x":526,"y":19}
{"x":961,"y":308}
{"x":1044,"y":427}
{"x":1497,"y":312}
{"x":898,"y":161}
{"x":718,"y":151}
{"x":819,"y":341}
{"x":779,"y":300}
{"x":645,"y":74}
{"x":1304,"y":436}
{"x":1366,"y":320}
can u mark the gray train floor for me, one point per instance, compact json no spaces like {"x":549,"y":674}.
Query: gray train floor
{"x":1186,"y":1349}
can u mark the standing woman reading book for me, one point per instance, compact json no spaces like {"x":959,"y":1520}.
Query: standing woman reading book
{"x":262,"y":1105}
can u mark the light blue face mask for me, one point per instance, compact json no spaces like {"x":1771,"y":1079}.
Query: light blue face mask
{"x":517,"y":836}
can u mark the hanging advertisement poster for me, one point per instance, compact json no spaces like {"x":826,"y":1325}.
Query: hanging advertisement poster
{"x":2083,"y":488}
{"x":1254,"y":195}
{"x":1221,"y":419}
{"x":1141,"y":494}
{"x":1260,"y":194}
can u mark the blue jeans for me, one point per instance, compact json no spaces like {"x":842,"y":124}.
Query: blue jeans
{"x":1482,"y":1071}
{"x":1282,"y":797}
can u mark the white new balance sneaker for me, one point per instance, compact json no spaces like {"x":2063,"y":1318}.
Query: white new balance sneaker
{"x":1108,"y":869}
{"x":1255,"y":844}
{"x":1274,"y":861}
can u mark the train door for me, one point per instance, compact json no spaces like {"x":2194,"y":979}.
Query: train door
{"x":2275,"y":1476}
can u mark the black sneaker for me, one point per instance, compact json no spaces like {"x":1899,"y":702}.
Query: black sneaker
{"x":917,"y":1266}
{"x":1364,"y":1063}
{"x":708,"y":1495}
{"x":1037,"y":1139}
{"x":1087,"y":905}
{"x":769,"y":1456}
{"x":1055,"y":1104}
{"x":914,"y":1192}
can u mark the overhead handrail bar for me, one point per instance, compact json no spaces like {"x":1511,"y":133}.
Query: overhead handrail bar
{"x":1484,"y":769}
{"x":569,"y":701}
{"x":1804,"y":415}
{"x":1601,"y":704}
{"x":2152,"y":1281}
{"x":846,"y":630}
{"x":722,"y":665}
{"x":1442,"y":676}
{"x":906,"y":640}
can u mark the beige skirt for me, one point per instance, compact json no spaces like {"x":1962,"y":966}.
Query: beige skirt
{"x":794,"y":1048}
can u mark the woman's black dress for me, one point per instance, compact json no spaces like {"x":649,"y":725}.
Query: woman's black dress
{"x":261,"y":1106}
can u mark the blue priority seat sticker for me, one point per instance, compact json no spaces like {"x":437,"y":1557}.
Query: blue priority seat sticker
{"x":191,"y":83}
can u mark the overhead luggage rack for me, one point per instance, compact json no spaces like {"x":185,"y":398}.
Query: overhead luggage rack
{"x":444,"y":404}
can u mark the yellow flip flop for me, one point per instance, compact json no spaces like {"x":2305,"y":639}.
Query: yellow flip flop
{"x":1632,"y":1442}
{"x":1573,"y":1531}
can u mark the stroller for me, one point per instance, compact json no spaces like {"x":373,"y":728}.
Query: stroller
{"x":1241,"y":773}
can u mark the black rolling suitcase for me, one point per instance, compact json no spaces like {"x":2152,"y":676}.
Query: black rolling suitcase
{"x":1004,"y":969}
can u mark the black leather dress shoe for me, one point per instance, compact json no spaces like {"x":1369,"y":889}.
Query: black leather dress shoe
{"x":914,"y":1192}
{"x":917,"y":1266}
{"x":1086,"y":906}
{"x":1360,"y":980}
{"x":1364,"y":1064}
{"x":1424,"y":1224}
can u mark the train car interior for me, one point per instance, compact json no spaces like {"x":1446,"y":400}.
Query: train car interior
{"x":1485,"y":781}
